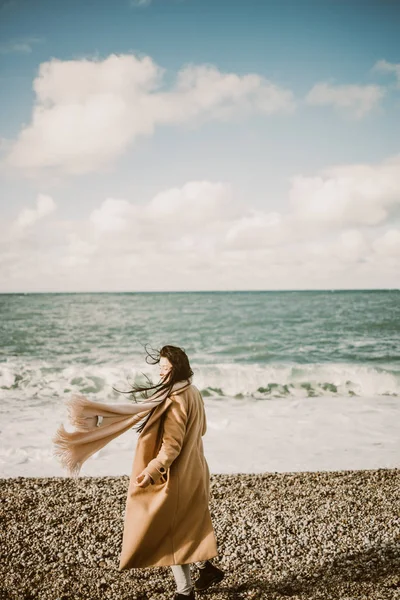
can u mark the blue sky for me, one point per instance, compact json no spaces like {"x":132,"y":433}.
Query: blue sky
{"x":283,"y":139}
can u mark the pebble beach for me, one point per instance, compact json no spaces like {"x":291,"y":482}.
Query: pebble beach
{"x":304,"y":535}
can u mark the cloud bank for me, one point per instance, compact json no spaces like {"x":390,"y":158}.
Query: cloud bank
{"x":387,"y":67}
{"x":88,"y":112}
{"x":342,"y":230}
{"x":355,"y":100}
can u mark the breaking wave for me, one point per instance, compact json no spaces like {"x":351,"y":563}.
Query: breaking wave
{"x":44,"y":382}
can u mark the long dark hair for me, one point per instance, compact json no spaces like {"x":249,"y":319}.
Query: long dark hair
{"x":180,"y":371}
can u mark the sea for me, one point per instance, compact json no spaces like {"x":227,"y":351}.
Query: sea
{"x":292,"y":380}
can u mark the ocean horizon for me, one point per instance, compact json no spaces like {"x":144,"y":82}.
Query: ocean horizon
{"x":305,"y":290}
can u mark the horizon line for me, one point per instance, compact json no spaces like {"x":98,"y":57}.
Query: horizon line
{"x":228,"y":291}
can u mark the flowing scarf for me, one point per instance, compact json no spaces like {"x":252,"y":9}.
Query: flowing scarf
{"x":96,"y":424}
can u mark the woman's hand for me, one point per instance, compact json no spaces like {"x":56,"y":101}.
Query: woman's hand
{"x":143,"y":480}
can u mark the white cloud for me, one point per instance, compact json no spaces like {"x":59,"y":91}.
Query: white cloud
{"x":197,"y":236}
{"x":356,"y":100}
{"x":27,"y":246}
{"x":166,"y":235}
{"x":88,"y":112}
{"x":258,"y":229}
{"x":387,"y":67}
{"x":348,"y":195}
{"x":388,"y":244}
{"x":171,"y":215}
{"x":203,"y":91}
{"x":113,"y":215}
{"x":139,"y":3}
{"x":29,"y":216}
{"x":20,"y":46}
{"x":193,"y":205}
{"x":351,"y":246}
{"x":78,"y":252}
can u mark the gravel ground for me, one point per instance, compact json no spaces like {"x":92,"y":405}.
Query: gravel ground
{"x":293,"y":535}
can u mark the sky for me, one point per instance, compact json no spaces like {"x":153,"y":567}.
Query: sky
{"x":182,"y":145}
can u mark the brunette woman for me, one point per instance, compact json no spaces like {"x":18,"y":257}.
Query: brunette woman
{"x":167,"y":519}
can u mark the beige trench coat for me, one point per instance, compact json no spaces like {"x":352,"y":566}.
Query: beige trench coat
{"x":169,"y":522}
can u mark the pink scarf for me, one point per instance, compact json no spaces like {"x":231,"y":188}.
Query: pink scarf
{"x":96,"y":424}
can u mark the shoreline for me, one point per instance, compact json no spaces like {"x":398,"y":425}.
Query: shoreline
{"x":304,"y":535}
{"x":333,"y":433}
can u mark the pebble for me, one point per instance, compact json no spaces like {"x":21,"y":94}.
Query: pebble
{"x":314,"y":535}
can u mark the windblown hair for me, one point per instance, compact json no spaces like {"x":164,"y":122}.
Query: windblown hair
{"x":180,"y":371}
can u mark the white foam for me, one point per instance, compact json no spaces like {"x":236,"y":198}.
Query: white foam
{"x":307,"y":434}
{"x":42,"y":381}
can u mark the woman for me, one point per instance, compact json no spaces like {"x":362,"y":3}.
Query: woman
{"x":167,"y":516}
{"x":167,"y":519}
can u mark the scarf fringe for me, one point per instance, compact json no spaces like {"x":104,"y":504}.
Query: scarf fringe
{"x":76,"y":413}
{"x":63,"y":450}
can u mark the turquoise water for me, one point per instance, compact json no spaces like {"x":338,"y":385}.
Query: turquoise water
{"x":291,"y":380}
{"x":255,"y":344}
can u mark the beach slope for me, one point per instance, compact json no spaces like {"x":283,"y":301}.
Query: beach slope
{"x":300,"y":535}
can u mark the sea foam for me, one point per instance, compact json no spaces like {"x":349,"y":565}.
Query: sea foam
{"x":43,"y":381}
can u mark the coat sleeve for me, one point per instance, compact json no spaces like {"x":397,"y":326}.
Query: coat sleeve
{"x":173,"y":436}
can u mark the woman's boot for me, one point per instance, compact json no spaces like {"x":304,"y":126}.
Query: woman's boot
{"x":184,"y":596}
{"x":209,"y":575}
